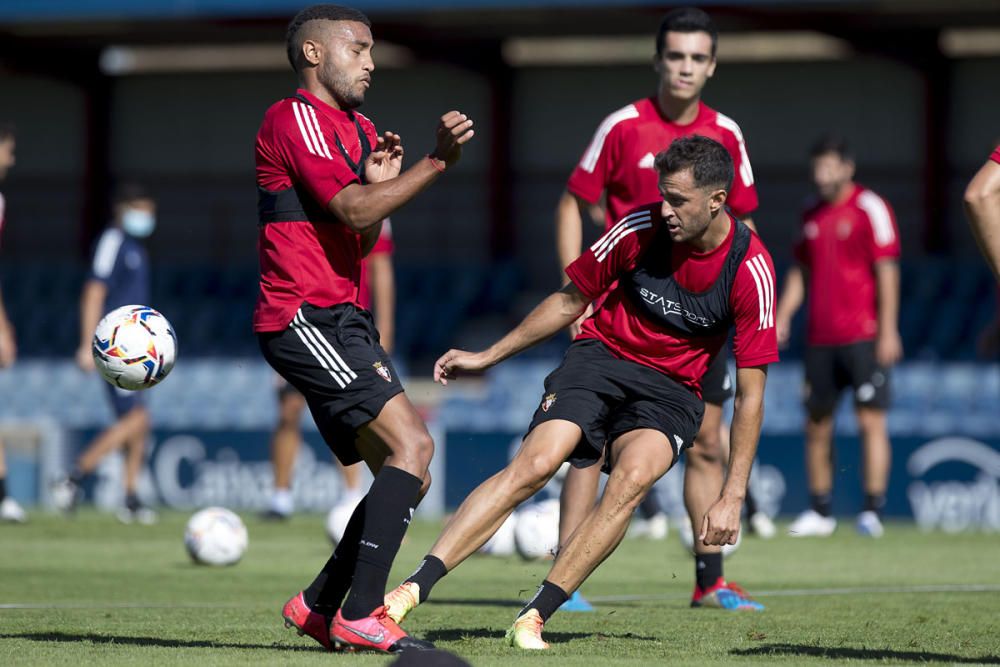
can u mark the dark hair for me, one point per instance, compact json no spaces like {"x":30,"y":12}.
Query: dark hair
{"x":686,"y":19}
{"x":6,"y":131}
{"x":832,"y":143}
{"x":127,"y":193}
{"x":711,"y":164}
{"x":317,"y":13}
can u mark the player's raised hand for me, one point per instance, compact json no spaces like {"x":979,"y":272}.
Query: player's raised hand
{"x":386,"y":158}
{"x":454,"y":130}
{"x":458,"y":360}
{"x":721,"y":524}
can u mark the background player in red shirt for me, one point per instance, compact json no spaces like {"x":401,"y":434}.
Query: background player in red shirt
{"x":325,"y":183}
{"x":10,"y":509}
{"x":618,"y":165}
{"x":847,"y":261}
{"x":378,"y":294}
{"x":629,"y":386}
{"x":982,"y":204}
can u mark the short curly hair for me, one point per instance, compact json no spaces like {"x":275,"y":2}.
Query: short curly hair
{"x":293,"y":40}
{"x":710,"y":163}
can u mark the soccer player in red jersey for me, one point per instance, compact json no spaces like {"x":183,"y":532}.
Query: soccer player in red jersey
{"x":982,"y":205}
{"x":10,"y":509}
{"x":325,"y":183}
{"x":676,"y":276}
{"x":618,"y":164}
{"x":848,"y":265}
{"x":378,"y":294}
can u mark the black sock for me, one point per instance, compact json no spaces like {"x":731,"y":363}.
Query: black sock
{"x":390,"y":505}
{"x":822,"y":503}
{"x":548,"y":598}
{"x":428,"y":573}
{"x":707,"y":569}
{"x":3,"y":488}
{"x":874,"y":502}
{"x":751,"y":503}
{"x":76,"y":477}
{"x":326,"y":593}
{"x":132,"y":501}
{"x":650,"y":505}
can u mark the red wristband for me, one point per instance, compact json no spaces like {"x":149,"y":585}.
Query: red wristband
{"x":434,"y":162}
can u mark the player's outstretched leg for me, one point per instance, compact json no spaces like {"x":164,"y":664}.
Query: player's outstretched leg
{"x":703,"y":479}
{"x":481,"y":514}
{"x":639,"y":458}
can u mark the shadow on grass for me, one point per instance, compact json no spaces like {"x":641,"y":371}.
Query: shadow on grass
{"x":454,"y":635}
{"x":477,"y":602}
{"x":845,"y":653}
{"x":64,"y":637}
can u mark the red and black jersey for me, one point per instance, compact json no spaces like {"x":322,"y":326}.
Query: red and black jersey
{"x":306,"y":152}
{"x":996,"y":155}
{"x":839,"y":246}
{"x":620,"y":158}
{"x":383,"y":246}
{"x":671,"y":307}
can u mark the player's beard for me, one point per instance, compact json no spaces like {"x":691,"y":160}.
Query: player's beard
{"x":340,"y":87}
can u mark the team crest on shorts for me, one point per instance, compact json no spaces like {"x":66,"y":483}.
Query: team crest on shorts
{"x":550,"y":399}
{"x":382,"y":370}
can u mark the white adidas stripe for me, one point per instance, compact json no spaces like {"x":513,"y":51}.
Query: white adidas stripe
{"x":765,"y":291}
{"x":322,"y":350}
{"x":310,"y":343}
{"x":769,"y":284}
{"x":306,"y":136}
{"x":878,"y":214}
{"x":318,"y":129}
{"x":338,"y":360}
{"x":606,"y":237}
{"x":593,"y":152}
{"x":642,"y":223}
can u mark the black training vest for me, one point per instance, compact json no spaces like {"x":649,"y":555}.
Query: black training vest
{"x":653,"y":289}
{"x":293,"y":203}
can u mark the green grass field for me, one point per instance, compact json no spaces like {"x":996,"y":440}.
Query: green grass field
{"x":90,"y":591}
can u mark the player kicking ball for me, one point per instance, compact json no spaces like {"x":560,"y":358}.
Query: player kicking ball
{"x":680,"y":272}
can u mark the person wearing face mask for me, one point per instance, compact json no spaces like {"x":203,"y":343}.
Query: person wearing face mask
{"x":119,"y":276}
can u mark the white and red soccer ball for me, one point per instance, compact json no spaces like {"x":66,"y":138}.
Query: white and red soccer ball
{"x":134,"y":347}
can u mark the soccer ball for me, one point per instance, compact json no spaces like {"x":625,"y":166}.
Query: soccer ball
{"x":536,"y":533}
{"x":502,"y":542}
{"x":134,"y":347}
{"x":215,"y":536}
{"x":337,"y":519}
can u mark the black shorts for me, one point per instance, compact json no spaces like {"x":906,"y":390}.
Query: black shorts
{"x":333,"y":356}
{"x":716,"y":385}
{"x":607,"y":397}
{"x":832,"y":368}
{"x":124,"y":401}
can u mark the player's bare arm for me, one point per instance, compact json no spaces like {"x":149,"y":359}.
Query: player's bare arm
{"x":556,"y":312}
{"x":91,"y":305}
{"x":362,"y":206}
{"x":721,"y":524}
{"x":888,"y":344}
{"x":982,"y":205}
{"x":369,"y":237}
{"x":569,"y":239}
{"x":792,"y":296}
